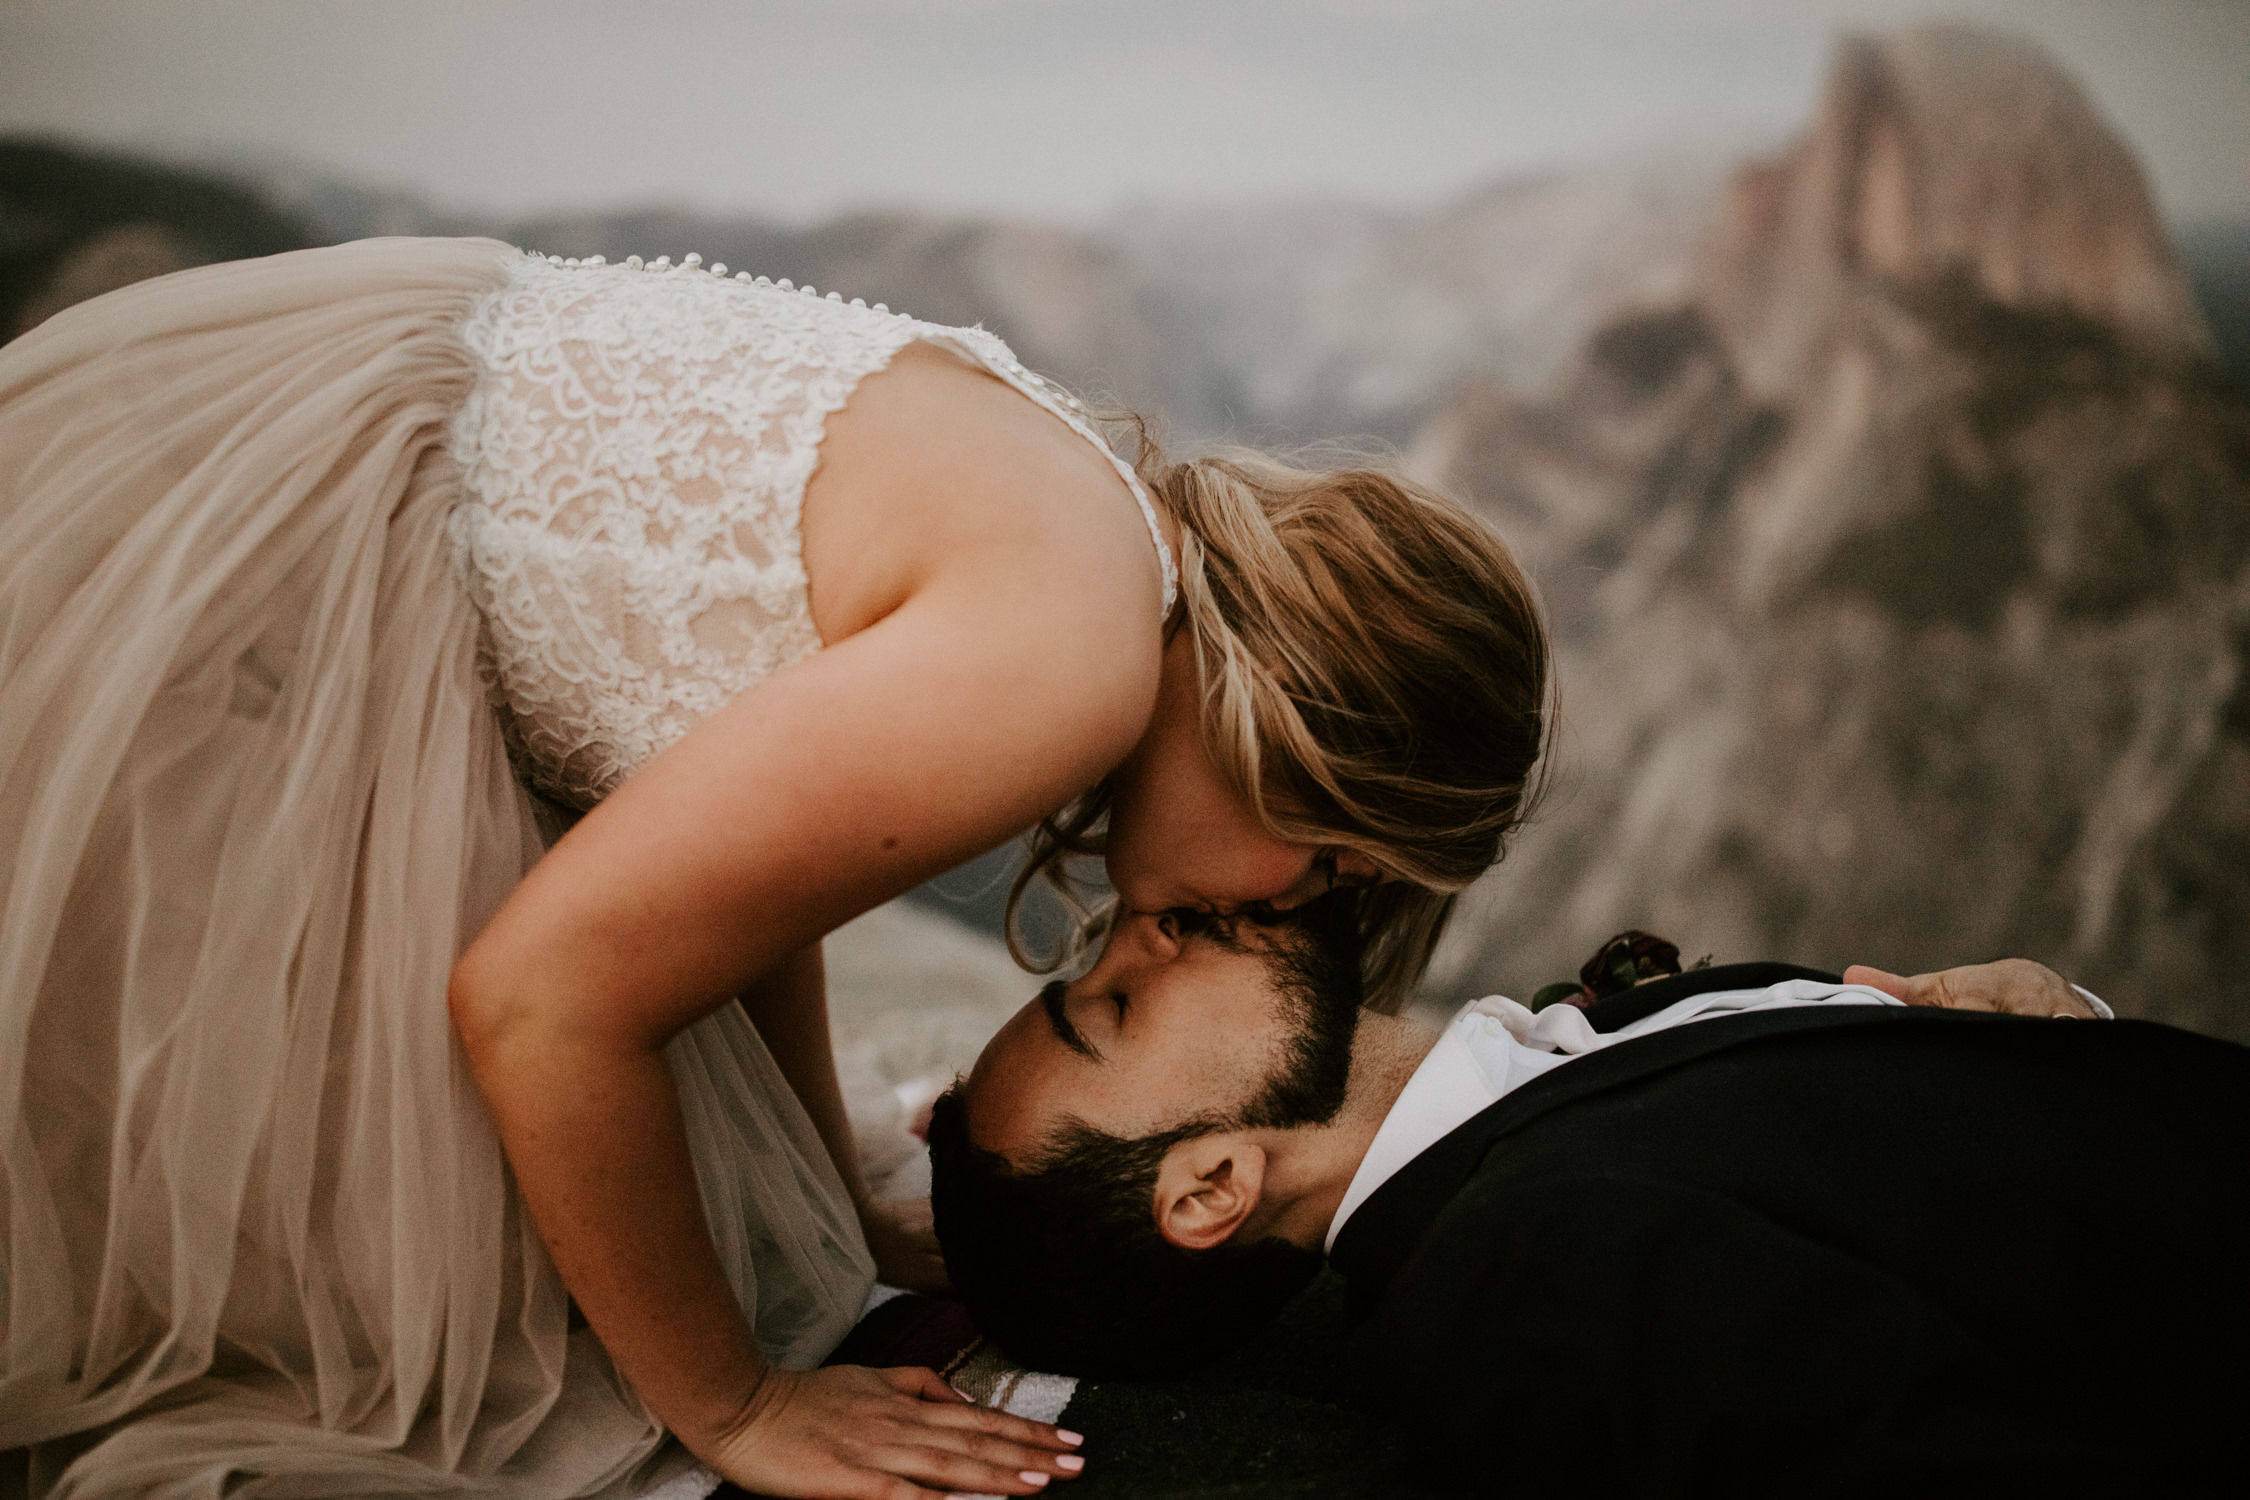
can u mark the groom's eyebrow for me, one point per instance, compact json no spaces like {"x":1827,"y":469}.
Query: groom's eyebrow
{"x":1051,"y":1001}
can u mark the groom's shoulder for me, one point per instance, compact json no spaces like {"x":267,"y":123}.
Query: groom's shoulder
{"x":1887,"y":1061}
{"x":1861,"y":1119}
{"x":1778,"y":1093}
{"x":1769,"y":1234}
{"x":1875,"y":1069}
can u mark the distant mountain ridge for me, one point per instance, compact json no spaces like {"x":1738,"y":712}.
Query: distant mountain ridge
{"x":1287,"y":322}
{"x":75,"y":224}
{"x":1284,"y":322}
{"x":1338,"y":319}
{"x":2216,"y":257}
{"x":1891,"y":497}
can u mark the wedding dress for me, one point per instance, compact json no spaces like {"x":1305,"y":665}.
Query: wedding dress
{"x":309,"y":567}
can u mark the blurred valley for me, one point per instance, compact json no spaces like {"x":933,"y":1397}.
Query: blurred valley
{"x":1890,"y":495}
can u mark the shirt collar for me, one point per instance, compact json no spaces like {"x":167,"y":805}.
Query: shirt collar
{"x":1456,"y":1081}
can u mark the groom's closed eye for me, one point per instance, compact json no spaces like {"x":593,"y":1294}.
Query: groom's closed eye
{"x":1186,"y":922}
{"x":1051,"y":996}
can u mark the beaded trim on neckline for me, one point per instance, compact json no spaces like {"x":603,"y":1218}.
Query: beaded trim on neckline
{"x":998,"y":357}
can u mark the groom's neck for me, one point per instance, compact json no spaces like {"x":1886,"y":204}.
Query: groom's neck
{"x":1308,"y":1170}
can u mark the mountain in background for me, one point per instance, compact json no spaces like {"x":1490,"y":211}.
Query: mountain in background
{"x":1338,"y":320}
{"x":1891,"y":497}
{"x":2216,"y":255}
{"x":1900,"y":569}
{"x":75,"y":224}
{"x":1284,"y":322}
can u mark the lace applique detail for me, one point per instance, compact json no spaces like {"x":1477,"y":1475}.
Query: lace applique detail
{"x":635,"y":454}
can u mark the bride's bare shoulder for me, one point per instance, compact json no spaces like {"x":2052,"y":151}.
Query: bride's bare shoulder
{"x":938,"y":473}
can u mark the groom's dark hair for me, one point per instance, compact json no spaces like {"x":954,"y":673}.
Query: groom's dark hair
{"x":1061,"y":1263}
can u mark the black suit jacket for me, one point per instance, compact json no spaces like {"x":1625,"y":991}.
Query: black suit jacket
{"x":1829,"y":1251}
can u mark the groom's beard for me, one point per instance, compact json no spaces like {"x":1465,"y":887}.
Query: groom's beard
{"x":1316,"y":1052}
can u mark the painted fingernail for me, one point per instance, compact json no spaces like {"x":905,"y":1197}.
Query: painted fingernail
{"x":1071,"y":1438}
{"x":1031,"y":1476}
{"x":1069,"y":1463}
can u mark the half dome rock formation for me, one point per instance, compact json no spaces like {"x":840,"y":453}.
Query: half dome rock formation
{"x":1939,"y":154}
{"x":1900,"y":571}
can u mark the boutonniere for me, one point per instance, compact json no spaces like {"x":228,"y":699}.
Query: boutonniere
{"x":1627,"y":959}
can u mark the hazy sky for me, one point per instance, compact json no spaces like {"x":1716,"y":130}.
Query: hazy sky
{"x":1058,"y":108}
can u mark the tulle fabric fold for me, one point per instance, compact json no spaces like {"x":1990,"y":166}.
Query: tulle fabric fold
{"x":260,"y":1238}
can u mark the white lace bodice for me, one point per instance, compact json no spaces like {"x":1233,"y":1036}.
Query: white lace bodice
{"x":634,"y":455}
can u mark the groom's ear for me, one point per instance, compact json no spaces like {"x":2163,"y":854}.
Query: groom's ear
{"x":1206,"y":1187}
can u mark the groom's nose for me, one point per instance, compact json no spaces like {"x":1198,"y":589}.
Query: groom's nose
{"x":1139,"y":939}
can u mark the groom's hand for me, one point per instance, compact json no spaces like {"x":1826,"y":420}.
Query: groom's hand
{"x":2012,"y":986}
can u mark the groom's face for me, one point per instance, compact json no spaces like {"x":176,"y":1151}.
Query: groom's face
{"x":1180,"y":1018}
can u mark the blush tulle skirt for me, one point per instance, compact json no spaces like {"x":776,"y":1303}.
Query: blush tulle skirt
{"x":257,"y":1236}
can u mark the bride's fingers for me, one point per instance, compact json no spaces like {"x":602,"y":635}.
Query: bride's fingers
{"x":1000,"y":1452}
{"x":949,"y":1422}
{"x":999,"y":1424}
{"x":920,"y":1380}
{"x":955,"y":1473}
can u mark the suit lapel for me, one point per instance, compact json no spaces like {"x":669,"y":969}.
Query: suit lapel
{"x":1386,"y":1229}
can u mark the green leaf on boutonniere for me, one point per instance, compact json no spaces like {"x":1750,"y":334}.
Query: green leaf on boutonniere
{"x":1562,"y":991}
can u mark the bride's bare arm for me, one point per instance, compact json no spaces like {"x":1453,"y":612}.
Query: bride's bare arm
{"x":987,"y":698}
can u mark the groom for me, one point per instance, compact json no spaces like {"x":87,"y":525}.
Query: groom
{"x":1742,"y":1231}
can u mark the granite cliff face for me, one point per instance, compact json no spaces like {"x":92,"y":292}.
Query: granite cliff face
{"x":1901,"y":569}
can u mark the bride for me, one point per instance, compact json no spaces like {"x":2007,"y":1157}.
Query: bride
{"x":373,"y":1122}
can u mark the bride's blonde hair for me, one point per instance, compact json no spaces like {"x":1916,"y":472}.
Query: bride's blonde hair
{"x":1375,"y":677}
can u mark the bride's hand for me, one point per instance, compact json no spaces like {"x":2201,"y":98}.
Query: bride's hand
{"x":903,"y":1236}
{"x":849,"y":1433}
